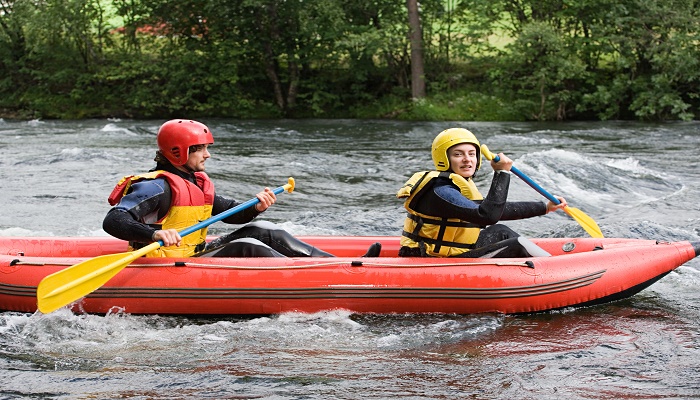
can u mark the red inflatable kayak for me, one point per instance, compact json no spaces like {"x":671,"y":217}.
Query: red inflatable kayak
{"x":580,"y":272}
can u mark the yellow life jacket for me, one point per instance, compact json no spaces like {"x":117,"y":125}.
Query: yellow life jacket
{"x":189,"y":205}
{"x":442,"y":237}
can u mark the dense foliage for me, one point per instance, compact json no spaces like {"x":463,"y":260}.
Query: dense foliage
{"x":483,"y":60}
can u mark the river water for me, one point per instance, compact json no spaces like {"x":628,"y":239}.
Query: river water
{"x":636,"y":180}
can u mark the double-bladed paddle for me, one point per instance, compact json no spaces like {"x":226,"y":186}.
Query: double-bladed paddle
{"x":68,"y":285}
{"x":586,"y":222}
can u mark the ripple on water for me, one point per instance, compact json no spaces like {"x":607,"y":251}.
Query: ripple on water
{"x":632,"y":179}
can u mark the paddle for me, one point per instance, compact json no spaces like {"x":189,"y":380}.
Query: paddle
{"x":586,"y":222}
{"x":68,"y":285}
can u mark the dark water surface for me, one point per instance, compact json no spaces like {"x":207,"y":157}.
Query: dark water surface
{"x":635,"y":180}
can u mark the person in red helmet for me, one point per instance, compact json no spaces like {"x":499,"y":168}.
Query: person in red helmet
{"x":177,"y":193}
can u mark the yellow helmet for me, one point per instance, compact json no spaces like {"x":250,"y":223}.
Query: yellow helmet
{"x":448,"y":138}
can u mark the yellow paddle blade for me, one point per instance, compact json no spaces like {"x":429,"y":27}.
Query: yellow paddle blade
{"x":68,"y":285}
{"x":586,"y":222}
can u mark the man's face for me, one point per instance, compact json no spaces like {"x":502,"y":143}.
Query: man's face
{"x":198,"y":155}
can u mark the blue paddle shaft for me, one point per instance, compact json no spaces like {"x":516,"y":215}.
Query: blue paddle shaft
{"x":530,"y":182}
{"x":225,"y":214}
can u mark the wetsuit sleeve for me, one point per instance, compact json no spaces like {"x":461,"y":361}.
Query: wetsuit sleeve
{"x":523,"y":209}
{"x":450,"y":203}
{"x":222,"y":204}
{"x":444,"y":200}
{"x":146,"y":203}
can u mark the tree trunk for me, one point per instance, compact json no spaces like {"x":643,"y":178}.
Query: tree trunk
{"x":416,"y":39}
{"x":293,"y":91}
{"x":270,"y":56}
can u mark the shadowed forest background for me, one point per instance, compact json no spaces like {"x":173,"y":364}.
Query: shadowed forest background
{"x":499,"y":60}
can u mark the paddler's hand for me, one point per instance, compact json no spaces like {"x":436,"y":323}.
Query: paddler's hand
{"x":504,"y":163}
{"x":267,"y":198}
{"x":168,"y":236}
{"x":553,"y":207}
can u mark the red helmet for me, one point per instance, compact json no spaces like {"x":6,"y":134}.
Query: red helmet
{"x":176,"y":136}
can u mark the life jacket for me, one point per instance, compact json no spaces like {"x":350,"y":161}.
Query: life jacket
{"x":442,"y":237}
{"x":189,"y":205}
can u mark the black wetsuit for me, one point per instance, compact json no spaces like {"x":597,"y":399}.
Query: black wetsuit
{"x":444,"y":200}
{"x":134,"y":219}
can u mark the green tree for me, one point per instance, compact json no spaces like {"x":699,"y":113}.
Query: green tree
{"x":650,"y":63}
{"x":13,"y":50}
{"x":617,"y":59}
{"x":541,"y":72}
{"x":526,"y":59}
{"x":54,"y":45}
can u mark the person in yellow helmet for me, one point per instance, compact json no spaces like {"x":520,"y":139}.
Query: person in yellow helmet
{"x":177,"y":193}
{"x":448,"y":216}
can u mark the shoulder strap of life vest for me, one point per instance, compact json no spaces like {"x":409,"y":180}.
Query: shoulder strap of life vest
{"x":418,"y":180}
{"x":122,"y":187}
{"x":124,"y":184}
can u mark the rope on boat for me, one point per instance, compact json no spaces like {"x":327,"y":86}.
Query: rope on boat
{"x":528,"y":264}
{"x":343,"y":264}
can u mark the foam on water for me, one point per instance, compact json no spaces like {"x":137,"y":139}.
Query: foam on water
{"x":115,"y":128}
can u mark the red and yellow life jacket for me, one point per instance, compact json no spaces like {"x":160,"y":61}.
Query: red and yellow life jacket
{"x":189,"y":205}
{"x":442,"y":237}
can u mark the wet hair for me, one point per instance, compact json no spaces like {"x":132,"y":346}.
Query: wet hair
{"x":160,"y":158}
